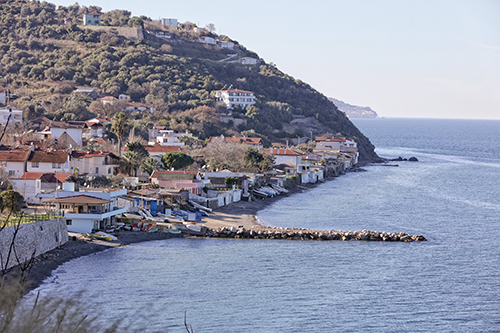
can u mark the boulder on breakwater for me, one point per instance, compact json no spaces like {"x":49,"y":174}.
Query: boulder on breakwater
{"x":308,"y":234}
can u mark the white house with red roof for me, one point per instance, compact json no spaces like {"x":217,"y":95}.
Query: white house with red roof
{"x":14,"y":161}
{"x":93,"y":163}
{"x":233,"y":97}
{"x":32,"y":184}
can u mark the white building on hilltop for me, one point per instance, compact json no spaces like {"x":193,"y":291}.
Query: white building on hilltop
{"x":168,"y":22}
{"x":233,"y":97}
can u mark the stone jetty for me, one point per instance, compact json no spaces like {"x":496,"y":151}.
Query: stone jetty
{"x":308,"y":234}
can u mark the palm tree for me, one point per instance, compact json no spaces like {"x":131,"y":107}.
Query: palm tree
{"x":130,"y":162}
{"x":120,"y":127}
{"x":150,"y":165}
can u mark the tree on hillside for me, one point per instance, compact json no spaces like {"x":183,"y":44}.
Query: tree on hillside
{"x":12,"y":200}
{"x":176,"y":160}
{"x":211,"y":27}
{"x":120,"y":127}
{"x":223,"y":154}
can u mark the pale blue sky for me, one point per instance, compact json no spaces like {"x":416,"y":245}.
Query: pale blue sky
{"x":422,"y":58}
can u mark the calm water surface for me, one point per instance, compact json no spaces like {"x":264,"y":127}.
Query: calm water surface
{"x":449,"y":284}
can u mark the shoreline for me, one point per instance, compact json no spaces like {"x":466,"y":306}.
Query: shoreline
{"x":239,"y":214}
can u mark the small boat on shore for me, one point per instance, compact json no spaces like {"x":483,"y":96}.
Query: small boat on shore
{"x":174,"y":231}
{"x":193,"y":227}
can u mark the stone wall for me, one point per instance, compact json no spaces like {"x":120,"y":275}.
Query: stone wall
{"x":128,"y":33}
{"x":37,"y":237}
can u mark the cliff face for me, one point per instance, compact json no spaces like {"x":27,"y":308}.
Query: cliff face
{"x":353,"y":111}
{"x":45,"y":59}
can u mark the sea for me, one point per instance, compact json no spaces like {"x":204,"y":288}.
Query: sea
{"x":450,"y":283}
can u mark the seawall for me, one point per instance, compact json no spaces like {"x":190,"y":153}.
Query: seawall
{"x":308,"y":234}
{"x":31,"y":239}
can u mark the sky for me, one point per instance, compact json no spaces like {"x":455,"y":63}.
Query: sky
{"x":412,"y":58}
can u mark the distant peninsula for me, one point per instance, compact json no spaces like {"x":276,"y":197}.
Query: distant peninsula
{"x":354,"y":111}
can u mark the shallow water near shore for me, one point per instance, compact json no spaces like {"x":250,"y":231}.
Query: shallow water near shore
{"x":449,"y":283}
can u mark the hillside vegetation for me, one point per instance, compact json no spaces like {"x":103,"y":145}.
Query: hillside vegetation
{"x":43,"y":60}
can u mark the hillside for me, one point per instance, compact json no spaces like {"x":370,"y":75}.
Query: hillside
{"x":353,"y":111}
{"x":46,"y":53}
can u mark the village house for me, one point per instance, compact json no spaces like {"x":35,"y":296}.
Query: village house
{"x":48,"y":161}
{"x":186,"y":180}
{"x":168,"y":22}
{"x":226,"y":45}
{"x":85,"y":213}
{"x":82,"y":92}
{"x":330,"y":143}
{"x":208,"y":40}
{"x":40,"y":123}
{"x":68,"y":133}
{"x":164,"y":136}
{"x":14,"y":161}
{"x":233,"y":97}
{"x":139,"y":107}
{"x":31,"y":184}
{"x":92,"y":18}
{"x":108,"y":100}
{"x":288,"y":157}
{"x":15,"y":114}
{"x":94,"y":163}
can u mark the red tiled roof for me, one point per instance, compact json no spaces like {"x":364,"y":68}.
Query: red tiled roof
{"x":335,"y":139}
{"x":49,"y":176}
{"x":14,"y":156}
{"x":161,"y":149}
{"x":282,"y":152}
{"x":93,"y":13}
{"x":109,"y":98}
{"x":49,"y":156}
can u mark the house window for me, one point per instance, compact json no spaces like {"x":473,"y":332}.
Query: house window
{"x":109,"y":170}
{"x":97,"y":170}
{"x":69,"y":222}
{"x":35,"y":164}
{"x":56,"y":165}
{"x":12,"y":172}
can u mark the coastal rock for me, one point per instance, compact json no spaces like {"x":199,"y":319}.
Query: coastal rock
{"x":413,"y":159}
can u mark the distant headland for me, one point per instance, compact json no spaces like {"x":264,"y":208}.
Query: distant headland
{"x":353,"y":111}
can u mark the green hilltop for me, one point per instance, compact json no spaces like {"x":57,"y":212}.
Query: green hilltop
{"x":47,"y":52}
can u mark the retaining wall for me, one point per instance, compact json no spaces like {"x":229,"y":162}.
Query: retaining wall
{"x":36,"y":237}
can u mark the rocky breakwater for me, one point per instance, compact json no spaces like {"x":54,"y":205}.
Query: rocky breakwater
{"x":308,"y":234}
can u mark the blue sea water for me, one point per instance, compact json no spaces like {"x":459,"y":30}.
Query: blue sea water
{"x":451,"y":283}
